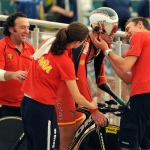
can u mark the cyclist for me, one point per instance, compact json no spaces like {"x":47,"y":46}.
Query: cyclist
{"x":135,"y":120}
{"x":68,"y":118}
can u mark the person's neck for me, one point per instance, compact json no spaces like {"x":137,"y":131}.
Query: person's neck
{"x":17,"y":44}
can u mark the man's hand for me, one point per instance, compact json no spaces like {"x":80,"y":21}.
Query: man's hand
{"x":100,"y":43}
{"x":99,"y":119}
{"x":18,"y":75}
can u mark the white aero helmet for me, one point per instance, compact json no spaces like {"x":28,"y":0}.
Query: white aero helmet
{"x":104,"y":20}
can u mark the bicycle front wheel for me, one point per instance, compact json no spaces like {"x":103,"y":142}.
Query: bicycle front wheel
{"x":91,"y":140}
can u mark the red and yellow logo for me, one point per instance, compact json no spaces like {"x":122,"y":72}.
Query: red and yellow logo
{"x":82,"y":62}
{"x":45,"y":64}
{"x":9,"y":56}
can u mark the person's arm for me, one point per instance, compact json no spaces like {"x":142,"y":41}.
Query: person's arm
{"x":2,"y":72}
{"x":79,"y":99}
{"x":97,"y":116}
{"x":124,"y":64}
{"x":62,"y":11}
{"x":9,"y":75}
{"x":130,"y":7}
{"x":99,"y":69}
{"x":124,"y":76}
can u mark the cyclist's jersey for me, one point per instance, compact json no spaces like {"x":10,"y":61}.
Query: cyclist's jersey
{"x":46,"y":74}
{"x":81,"y":56}
{"x":11,"y":59}
{"x":140,"y":47}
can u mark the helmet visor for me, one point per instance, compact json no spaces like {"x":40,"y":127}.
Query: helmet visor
{"x":110,"y":28}
{"x":105,"y":28}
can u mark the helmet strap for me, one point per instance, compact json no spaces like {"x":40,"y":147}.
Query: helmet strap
{"x":96,"y":29}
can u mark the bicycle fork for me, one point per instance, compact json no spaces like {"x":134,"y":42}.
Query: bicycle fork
{"x":101,"y":135}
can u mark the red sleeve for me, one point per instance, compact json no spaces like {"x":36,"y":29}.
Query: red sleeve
{"x":137,"y":43}
{"x":67,"y":70}
{"x":83,"y":86}
{"x":82,"y":79}
{"x":100,"y":69}
{"x":101,"y":79}
{"x":2,"y":54}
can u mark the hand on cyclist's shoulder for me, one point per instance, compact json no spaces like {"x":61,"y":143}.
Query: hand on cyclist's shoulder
{"x":93,"y":105}
{"x":99,"y":118}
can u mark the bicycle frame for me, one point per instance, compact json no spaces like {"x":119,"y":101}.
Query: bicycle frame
{"x":101,"y":138}
{"x":89,"y":124}
{"x":86,"y":124}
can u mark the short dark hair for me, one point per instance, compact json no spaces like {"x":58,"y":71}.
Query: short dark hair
{"x":76,"y":31}
{"x":135,"y":20}
{"x":10,"y":22}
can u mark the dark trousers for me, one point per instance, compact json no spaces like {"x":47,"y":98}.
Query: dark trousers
{"x":0,"y":112}
{"x":40,"y":125}
{"x":9,"y":111}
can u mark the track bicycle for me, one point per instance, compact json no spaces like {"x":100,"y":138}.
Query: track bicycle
{"x":89,"y":136}
{"x":92,"y":137}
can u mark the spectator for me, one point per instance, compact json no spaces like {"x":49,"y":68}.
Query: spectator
{"x":67,"y":10}
{"x":50,"y":16}
{"x":64,"y":11}
{"x":123,"y":9}
{"x":47,"y":5}
{"x":134,"y":69}
{"x":47,"y":72}
{"x":15,"y":59}
{"x":144,"y":9}
{"x":28,"y":7}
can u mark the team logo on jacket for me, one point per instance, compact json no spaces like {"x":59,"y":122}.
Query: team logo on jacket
{"x":82,"y":62}
{"x":131,"y":48}
{"x":9,"y":56}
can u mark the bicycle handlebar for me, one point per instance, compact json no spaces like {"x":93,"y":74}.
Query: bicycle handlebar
{"x":107,"y":89}
{"x":105,"y":109}
{"x":108,"y":109}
